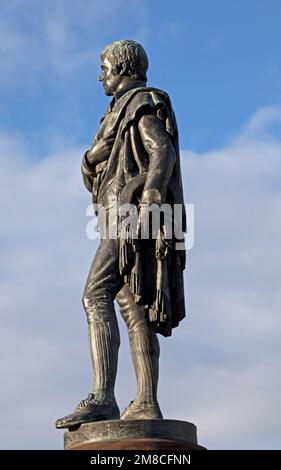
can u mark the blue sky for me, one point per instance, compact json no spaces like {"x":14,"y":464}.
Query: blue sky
{"x":220,"y":62}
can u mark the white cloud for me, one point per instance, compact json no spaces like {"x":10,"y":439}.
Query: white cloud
{"x":50,"y":38}
{"x":221,"y":367}
{"x":232,"y":340}
{"x":262,"y":119}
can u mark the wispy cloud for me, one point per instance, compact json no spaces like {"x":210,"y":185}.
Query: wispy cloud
{"x":221,"y":366}
{"x":52,"y":37}
{"x":262,"y":119}
{"x":232,"y":338}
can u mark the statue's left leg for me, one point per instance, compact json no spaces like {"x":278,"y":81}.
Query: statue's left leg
{"x":102,"y":285}
{"x":145,"y":354}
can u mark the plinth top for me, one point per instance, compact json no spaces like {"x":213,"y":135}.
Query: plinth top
{"x":119,"y":434}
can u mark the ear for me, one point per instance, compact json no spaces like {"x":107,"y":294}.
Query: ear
{"x":122,"y":68}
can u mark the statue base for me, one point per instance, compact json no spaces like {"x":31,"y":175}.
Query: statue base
{"x":143,"y":434}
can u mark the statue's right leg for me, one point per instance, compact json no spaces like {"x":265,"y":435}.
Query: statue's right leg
{"x":102,"y":285}
{"x":145,"y":354}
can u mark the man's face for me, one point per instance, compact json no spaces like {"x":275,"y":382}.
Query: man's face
{"x":110,"y":81}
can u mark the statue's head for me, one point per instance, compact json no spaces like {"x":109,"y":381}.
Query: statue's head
{"x":122,"y":59}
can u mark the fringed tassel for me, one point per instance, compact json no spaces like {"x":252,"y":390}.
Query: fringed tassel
{"x":162,"y":305}
{"x":178,"y":287}
{"x":126,"y":250}
{"x":166,"y":307}
{"x":133,"y":281}
{"x":160,"y":313}
{"x":125,"y":257}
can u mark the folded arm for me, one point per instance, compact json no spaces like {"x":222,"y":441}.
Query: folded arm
{"x":95,"y":159}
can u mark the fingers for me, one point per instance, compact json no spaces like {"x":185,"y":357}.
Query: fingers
{"x":101,"y":150}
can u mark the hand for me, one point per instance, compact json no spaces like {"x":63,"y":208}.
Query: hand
{"x":148,"y":224}
{"x":101,"y":150}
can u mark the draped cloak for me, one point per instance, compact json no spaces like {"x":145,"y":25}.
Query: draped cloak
{"x":153,"y":269}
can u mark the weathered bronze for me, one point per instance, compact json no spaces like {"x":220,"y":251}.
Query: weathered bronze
{"x":134,"y":159}
{"x":142,"y":434}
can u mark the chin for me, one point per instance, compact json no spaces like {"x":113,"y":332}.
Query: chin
{"x":108,"y":92}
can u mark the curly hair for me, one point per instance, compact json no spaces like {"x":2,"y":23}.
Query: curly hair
{"x":127,"y":58}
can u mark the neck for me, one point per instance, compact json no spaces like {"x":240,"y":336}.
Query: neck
{"x":132,"y":84}
{"x":126,"y":81}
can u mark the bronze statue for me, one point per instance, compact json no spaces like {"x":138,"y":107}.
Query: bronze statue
{"x":134,"y":159}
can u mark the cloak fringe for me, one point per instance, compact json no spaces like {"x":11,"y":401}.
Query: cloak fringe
{"x":168,"y":307}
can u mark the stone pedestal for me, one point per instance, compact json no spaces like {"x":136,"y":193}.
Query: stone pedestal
{"x":166,"y":434}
